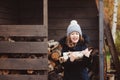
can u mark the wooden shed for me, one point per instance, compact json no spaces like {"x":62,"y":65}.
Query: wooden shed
{"x":31,"y":23}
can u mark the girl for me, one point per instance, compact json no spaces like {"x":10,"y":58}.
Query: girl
{"x":75,"y":65}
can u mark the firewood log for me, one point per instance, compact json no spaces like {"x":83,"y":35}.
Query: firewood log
{"x":49,"y":51}
{"x":4,"y":56}
{"x":54,"y":76}
{"x":52,"y":44}
{"x":33,"y":57}
{"x":5,"y":72}
{"x":55,"y":55}
{"x":51,"y":65}
{"x":0,"y":72}
{"x":14,"y":72}
{"x":30,"y":71}
{"x":79,"y":55}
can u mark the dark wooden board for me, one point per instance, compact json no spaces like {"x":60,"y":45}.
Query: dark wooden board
{"x":64,"y":23}
{"x":70,"y":3}
{"x":24,"y":64}
{"x":23,"y":77}
{"x":72,"y":12}
{"x":23,"y":30}
{"x":23,"y":47}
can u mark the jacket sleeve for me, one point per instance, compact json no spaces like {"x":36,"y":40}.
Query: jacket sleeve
{"x":87,"y":61}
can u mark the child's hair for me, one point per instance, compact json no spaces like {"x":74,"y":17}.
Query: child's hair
{"x":70,"y":43}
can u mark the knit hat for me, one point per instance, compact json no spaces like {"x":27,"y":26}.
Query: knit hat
{"x":74,"y":26}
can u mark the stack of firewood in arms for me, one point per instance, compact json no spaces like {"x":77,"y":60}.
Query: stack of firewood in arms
{"x":55,"y":71}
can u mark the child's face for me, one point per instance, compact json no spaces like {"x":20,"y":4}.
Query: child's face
{"x":74,"y":36}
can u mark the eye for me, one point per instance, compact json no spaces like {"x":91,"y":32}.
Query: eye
{"x":72,"y":33}
{"x":77,"y":33}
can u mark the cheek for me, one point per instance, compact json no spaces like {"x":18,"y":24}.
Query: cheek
{"x":75,"y":39}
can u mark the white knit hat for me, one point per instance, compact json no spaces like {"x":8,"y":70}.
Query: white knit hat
{"x":74,"y":26}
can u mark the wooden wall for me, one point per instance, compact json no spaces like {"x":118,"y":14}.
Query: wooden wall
{"x":8,"y":12}
{"x":30,"y":11}
{"x":61,"y":12}
{"x":21,"y":12}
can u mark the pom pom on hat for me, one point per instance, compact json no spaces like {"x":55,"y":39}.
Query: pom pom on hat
{"x":73,"y":22}
{"x":74,"y":26}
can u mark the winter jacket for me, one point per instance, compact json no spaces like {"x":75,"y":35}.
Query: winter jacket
{"x":76,"y":70}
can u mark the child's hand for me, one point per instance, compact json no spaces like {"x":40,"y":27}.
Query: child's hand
{"x":73,"y":57}
{"x":87,"y":52}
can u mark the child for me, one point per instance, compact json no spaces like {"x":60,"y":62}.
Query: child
{"x":75,"y":65}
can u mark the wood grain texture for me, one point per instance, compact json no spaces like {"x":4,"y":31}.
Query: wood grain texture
{"x":23,"y":77}
{"x":23,"y":30}
{"x":23,"y":47}
{"x":24,"y":64}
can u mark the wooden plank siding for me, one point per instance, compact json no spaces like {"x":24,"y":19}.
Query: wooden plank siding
{"x":24,"y":64}
{"x":23,"y":77}
{"x":23,"y":30}
{"x":21,"y":12}
{"x":8,"y":13}
{"x":63,"y":11}
{"x":72,"y":3}
{"x":23,"y":47}
{"x":30,"y":12}
{"x":84,"y":23}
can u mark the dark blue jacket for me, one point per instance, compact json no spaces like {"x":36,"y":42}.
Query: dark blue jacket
{"x":76,"y":70}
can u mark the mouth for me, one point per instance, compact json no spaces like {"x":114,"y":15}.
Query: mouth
{"x":75,"y":39}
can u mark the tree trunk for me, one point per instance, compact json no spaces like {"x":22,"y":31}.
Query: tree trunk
{"x":114,"y":26}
